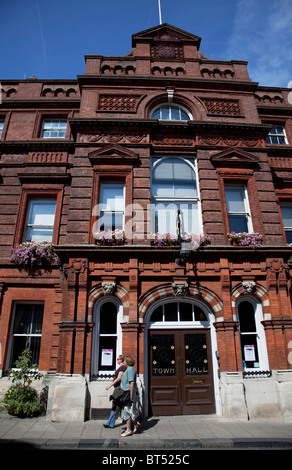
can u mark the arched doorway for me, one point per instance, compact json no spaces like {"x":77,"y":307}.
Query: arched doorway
{"x":180,"y":358}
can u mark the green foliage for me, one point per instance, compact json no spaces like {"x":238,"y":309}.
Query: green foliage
{"x":21,"y":399}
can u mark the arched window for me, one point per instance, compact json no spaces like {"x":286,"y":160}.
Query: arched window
{"x":252,"y":335}
{"x":178,"y":311}
{"x":174,"y":186}
{"x":170,"y":112}
{"x":107,"y":341}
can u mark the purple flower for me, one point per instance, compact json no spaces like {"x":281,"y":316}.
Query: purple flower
{"x":30,"y":255}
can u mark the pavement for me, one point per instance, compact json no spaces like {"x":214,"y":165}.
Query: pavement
{"x":162,"y":433}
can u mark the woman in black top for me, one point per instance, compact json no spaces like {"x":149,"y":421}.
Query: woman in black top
{"x":116,"y":382}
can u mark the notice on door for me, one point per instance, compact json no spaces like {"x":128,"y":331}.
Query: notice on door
{"x":107,"y":357}
{"x":249,"y":352}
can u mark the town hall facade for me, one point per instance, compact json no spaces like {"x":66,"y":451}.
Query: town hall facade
{"x":162,"y":180}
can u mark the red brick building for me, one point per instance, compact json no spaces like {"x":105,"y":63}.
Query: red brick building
{"x":161,"y":140}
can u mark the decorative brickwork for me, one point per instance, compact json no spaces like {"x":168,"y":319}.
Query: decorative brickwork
{"x":47,"y":157}
{"x":222,"y":107}
{"x":167,"y":51}
{"x":120,"y":103}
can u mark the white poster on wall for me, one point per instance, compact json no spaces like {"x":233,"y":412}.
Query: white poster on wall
{"x":107,"y":357}
{"x":249,"y":352}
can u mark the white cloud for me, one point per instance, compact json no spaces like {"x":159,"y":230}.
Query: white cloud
{"x":262,"y":35}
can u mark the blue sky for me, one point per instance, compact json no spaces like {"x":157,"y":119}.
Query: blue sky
{"x":49,"y":38}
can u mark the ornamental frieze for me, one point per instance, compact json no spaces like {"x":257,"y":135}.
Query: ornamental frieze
{"x":230,"y":141}
{"x":172,"y":141}
{"x":121,"y":138}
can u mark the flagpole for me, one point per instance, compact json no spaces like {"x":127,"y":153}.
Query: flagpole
{"x":159,"y":8}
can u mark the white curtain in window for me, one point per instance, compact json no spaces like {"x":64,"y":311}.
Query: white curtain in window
{"x":174,"y":177}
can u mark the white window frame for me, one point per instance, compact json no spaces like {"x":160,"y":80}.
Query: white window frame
{"x":245,"y":201}
{"x":179,"y":323}
{"x":96,"y":335}
{"x":283,"y":204}
{"x":175,"y":200}
{"x":276,"y":135}
{"x":171,"y":105}
{"x":259,"y":333}
{"x":39,"y":226}
{"x":47,"y":127}
{"x":107,"y":208}
{"x":39,"y":335}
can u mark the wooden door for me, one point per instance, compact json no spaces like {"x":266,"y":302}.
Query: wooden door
{"x":181,"y":373}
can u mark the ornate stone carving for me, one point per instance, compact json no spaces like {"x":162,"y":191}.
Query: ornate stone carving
{"x":108,"y":288}
{"x":179,"y":289}
{"x":248,"y":287}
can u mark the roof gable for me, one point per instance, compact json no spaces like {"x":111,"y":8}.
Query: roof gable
{"x":166,"y":33}
{"x":113,"y":154}
{"x":234,"y":157}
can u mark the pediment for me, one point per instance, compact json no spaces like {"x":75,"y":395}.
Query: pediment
{"x":234,"y":157}
{"x":165,"y":33}
{"x":113,"y":154}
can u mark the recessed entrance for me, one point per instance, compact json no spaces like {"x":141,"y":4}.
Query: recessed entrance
{"x":181,"y":372}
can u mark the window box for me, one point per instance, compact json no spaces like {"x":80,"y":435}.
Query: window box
{"x":110,"y":237}
{"x":31,"y":256}
{"x":245,"y":239}
{"x":167,"y":239}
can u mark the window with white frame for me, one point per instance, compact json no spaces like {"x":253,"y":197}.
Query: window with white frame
{"x":112,"y":206}
{"x":170,"y":112}
{"x":40,"y":220}
{"x":174,"y":187}
{"x":54,"y":129}
{"x":276,"y":136}
{"x":238,"y":209}
{"x":286,"y":211}
{"x":252,"y":334}
{"x":180,"y":312}
{"x":27,"y":330}
{"x":107,"y":336}
{"x":1,"y":127}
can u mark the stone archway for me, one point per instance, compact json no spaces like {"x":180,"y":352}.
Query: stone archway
{"x":177,"y":289}
{"x":107,"y":288}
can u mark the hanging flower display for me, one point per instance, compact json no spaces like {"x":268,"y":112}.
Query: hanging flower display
{"x":110,"y":237}
{"x":30,"y":256}
{"x":245,"y":239}
{"x":167,"y":239}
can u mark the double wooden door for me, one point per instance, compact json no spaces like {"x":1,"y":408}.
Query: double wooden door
{"x":181,"y":373}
